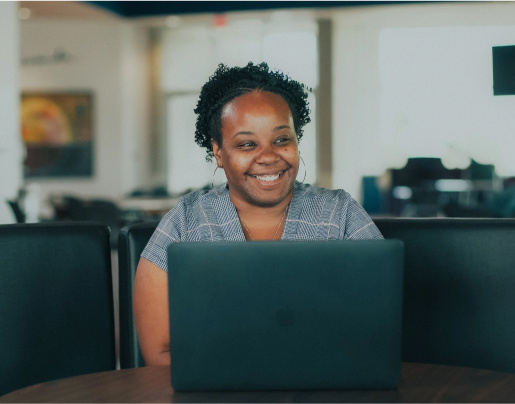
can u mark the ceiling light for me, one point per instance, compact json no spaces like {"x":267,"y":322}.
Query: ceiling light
{"x":24,"y":13}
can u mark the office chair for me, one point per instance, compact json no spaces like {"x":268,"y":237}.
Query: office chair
{"x":459,"y":290}
{"x":56,"y":302}
{"x":17,"y":211}
{"x":132,"y":240}
{"x":459,"y":304}
{"x":96,"y":210}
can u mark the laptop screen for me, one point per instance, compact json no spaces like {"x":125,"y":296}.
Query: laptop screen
{"x":285,"y":315}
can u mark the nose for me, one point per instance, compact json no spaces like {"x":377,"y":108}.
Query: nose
{"x":267,"y":155}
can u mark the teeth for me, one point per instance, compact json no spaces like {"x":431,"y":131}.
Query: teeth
{"x":267,"y":177}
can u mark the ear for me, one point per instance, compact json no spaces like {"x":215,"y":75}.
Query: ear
{"x":217,"y":153}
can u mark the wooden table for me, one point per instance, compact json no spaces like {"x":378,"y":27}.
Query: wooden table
{"x":420,"y":383}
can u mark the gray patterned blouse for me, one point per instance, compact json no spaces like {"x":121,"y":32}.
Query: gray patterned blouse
{"x":314,"y":214}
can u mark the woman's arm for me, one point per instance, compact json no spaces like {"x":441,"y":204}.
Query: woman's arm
{"x":150,"y":306}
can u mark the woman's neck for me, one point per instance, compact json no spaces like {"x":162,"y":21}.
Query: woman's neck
{"x":263,"y":222}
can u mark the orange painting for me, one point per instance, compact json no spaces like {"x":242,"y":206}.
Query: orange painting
{"x":57,"y":131}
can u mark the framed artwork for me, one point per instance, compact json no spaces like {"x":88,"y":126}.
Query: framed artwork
{"x":57,"y":130}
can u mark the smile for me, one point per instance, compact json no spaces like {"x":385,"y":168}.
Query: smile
{"x":268,"y":177}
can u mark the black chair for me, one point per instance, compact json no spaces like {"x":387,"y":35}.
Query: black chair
{"x":56,"y":302}
{"x":459,"y":290}
{"x":132,"y":240}
{"x":84,"y":210}
{"x":17,"y":211}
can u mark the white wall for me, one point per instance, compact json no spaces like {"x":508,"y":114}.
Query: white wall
{"x":109,"y":59}
{"x":357,"y":83}
{"x":192,"y":53}
{"x":11,"y":153}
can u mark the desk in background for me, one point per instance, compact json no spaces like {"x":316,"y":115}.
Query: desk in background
{"x":144,"y":209}
{"x":419,"y":383}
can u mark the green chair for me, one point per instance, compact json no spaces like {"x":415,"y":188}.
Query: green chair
{"x":56,"y":302}
{"x":132,"y":240}
{"x":459,"y":299}
{"x":459,"y":290}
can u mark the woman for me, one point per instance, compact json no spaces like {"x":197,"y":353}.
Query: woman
{"x":250,"y":120}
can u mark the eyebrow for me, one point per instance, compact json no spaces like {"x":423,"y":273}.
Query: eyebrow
{"x":277,"y":128}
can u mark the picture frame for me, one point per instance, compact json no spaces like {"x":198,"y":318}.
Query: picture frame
{"x":57,"y":131}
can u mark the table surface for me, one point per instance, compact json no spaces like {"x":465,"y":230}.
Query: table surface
{"x":419,"y":383}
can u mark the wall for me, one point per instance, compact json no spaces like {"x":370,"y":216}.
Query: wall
{"x":111,"y":60}
{"x":11,"y":153}
{"x":191,"y":54}
{"x":357,"y":89}
{"x":108,"y":58}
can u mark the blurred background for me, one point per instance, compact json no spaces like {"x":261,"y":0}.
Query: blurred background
{"x":412,"y":103}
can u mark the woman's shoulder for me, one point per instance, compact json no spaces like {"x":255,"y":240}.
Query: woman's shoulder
{"x":307,"y":191}
{"x":195,"y":198}
{"x":189,"y":210}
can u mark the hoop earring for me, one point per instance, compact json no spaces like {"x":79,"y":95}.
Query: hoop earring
{"x":213,"y":177}
{"x":305,"y":171}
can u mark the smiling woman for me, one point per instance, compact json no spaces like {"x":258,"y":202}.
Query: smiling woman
{"x":259,"y":152}
{"x":250,"y":120}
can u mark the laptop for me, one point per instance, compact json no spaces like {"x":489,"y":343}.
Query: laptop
{"x":288,"y":315}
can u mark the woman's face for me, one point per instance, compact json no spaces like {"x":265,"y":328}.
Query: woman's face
{"x":259,"y":149}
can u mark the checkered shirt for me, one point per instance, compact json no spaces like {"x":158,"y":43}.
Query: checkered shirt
{"x":314,"y":214}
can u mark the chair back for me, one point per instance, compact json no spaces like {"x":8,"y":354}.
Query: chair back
{"x":132,"y":240}
{"x":459,"y":290}
{"x":459,"y":300}
{"x":56,"y":303}
{"x":17,"y":211}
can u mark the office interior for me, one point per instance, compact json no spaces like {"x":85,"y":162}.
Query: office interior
{"x":412,"y":107}
{"x":411,"y":102}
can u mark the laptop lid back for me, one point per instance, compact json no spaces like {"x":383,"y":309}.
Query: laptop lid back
{"x":285,"y":315}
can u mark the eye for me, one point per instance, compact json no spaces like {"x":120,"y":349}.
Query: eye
{"x":282,"y":140}
{"x":247,"y":144}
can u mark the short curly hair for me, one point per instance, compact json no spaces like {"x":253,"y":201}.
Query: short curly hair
{"x":227,"y":83}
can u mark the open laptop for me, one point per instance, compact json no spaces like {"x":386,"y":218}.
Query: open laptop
{"x":285,"y":315}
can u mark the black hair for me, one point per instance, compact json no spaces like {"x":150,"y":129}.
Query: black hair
{"x":227,"y":83}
